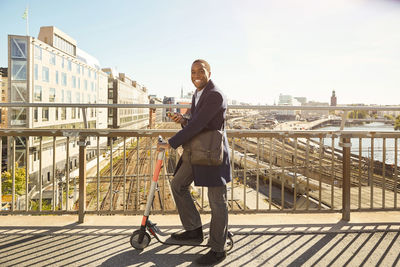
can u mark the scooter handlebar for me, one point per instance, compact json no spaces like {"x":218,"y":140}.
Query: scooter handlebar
{"x":161,"y":140}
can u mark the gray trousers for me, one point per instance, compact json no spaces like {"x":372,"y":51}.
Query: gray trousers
{"x":190,"y":216}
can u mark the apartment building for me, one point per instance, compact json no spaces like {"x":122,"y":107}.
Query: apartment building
{"x":124,"y":90}
{"x":52,"y":69}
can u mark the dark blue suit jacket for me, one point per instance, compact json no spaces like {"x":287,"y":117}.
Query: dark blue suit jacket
{"x":209,"y":114}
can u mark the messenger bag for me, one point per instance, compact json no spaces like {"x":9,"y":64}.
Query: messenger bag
{"x":207,"y":148}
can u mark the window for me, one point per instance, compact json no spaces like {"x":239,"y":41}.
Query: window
{"x":73,"y":82}
{"x":52,"y":94}
{"x":85,"y":83}
{"x":79,"y":83}
{"x":56,"y":76}
{"x":92,"y":86}
{"x":69,"y":100}
{"x":18,"y":48}
{"x":69,"y":65}
{"x":73,"y":113}
{"x":38,"y":52}
{"x":95,"y":75}
{"x":52,"y":58}
{"x":18,"y":68}
{"x":45,"y":114}
{"x":90,"y":73}
{"x":36,"y":72}
{"x":56,"y":114}
{"x":37,"y":94}
{"x":78,"y":69}
{"x":83,"y":71}
{"x":62,"y":62}
{"x":45,"y":74}
{"x":63,"y":113}
{"x":63,"y":79}
{"x":35,"y":114}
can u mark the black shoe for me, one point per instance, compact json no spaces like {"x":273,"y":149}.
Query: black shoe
{"x":212,"y":257}
{"x":196,"y":234}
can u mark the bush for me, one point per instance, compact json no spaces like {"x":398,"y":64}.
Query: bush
{"x":6,"y":178}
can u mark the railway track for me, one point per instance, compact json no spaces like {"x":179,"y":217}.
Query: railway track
{"x":129,"y":191}
{"x":325,"y":165}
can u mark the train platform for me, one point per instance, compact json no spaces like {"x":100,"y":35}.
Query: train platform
{"x":368,"y":239}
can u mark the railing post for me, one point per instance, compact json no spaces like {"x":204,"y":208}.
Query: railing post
{"x":82,"y":178}
{"x":346,"y":144}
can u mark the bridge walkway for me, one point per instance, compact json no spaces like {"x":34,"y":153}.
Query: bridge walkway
{"x":369,"y":239}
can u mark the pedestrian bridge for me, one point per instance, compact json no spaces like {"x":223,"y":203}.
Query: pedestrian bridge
{"x":77,"y":171}
{"x":298,"y":197}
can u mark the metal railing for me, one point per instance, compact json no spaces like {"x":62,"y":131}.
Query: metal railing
{"x":273,"y":171}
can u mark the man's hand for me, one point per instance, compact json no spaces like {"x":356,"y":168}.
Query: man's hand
{"x":177,"y":117}
{"x":163,"y":146}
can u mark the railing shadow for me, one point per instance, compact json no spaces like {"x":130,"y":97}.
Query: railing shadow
{"x":336,"y":244}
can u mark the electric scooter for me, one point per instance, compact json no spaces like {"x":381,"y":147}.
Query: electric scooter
{"x":140,"y":238}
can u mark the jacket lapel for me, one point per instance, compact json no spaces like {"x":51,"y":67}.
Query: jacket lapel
{"x":203,"y":95}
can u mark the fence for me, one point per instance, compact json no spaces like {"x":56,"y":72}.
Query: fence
{"x":273,"y":171}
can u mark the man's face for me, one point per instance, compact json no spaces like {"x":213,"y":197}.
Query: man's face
{"x":200,"y":75}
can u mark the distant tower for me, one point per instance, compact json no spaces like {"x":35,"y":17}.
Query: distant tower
{"x":333,"y":99}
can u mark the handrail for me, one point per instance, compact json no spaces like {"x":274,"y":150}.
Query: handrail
{"x":169,"y":132}
{"x":258,"y":107}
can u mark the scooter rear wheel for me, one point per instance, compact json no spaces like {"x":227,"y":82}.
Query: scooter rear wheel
{"x":229,"y":242}
{"x":135,"y":240}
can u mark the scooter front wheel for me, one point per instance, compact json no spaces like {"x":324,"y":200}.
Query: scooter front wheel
{"x":135,"y":240}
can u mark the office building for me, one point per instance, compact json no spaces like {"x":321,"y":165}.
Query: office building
{"x":284,"y":115}
{"x":4,"y":96}
{"x":52,"y":69}
{"x":155,"y":114}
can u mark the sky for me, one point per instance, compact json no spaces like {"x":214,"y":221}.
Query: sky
{"x":256,"y":49}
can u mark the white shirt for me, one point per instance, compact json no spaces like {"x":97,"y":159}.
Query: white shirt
{"x":197,"y":96}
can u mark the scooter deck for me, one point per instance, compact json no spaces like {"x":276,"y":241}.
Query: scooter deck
{"x":168,"y":240}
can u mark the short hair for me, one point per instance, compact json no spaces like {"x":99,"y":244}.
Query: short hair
{"x":204,"y":62}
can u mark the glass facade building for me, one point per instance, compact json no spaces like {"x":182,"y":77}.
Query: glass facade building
{"x":52,"y":69}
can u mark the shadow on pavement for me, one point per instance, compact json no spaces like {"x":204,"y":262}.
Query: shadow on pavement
{"x":340,"y":244}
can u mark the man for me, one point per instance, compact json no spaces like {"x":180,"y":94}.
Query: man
{"x":207,"y":113}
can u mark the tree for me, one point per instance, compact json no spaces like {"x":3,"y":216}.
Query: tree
{"x":388,"y":117}
{"x":357,"y":114}
{"x":6,"y":178}
{"x":397,"y":123}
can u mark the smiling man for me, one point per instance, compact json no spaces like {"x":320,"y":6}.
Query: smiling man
{"x":208,"y":112}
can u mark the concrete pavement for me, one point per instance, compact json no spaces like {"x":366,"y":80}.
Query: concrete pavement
{"x":369,"y":239}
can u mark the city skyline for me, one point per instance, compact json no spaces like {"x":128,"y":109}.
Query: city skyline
{"x":256,"y":50}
